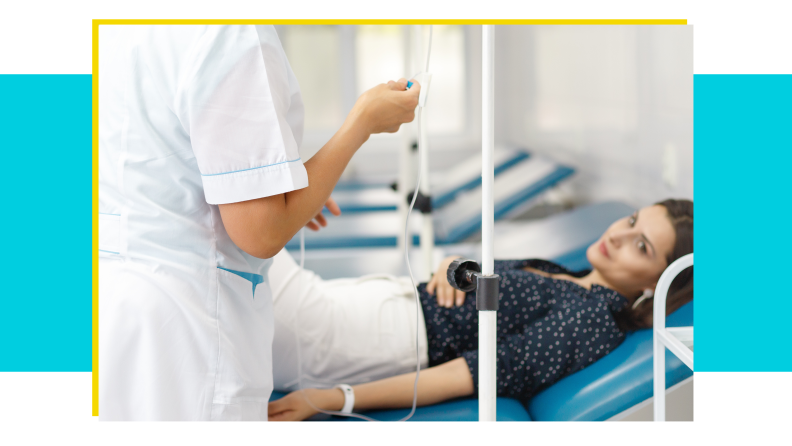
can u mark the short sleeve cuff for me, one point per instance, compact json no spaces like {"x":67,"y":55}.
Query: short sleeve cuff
{"x":256,"y":182}
{"x":471,"y":357}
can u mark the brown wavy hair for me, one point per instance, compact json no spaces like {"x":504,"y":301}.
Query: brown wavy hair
{"x":680,"y":212}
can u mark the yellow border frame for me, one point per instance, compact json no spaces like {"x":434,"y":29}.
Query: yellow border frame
{"x":95,"y":81}
{"x":95,"y":218}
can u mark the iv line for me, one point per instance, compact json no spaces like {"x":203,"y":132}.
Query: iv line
{"x":421,"y":146}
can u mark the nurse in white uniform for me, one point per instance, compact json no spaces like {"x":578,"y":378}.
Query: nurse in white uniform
{"x":200,"y":183}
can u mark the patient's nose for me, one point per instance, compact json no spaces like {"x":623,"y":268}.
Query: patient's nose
{"x":617,"y":238}
{"x":613,"y":239}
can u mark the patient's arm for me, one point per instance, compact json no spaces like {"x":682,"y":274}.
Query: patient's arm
{"x":436,"y":384}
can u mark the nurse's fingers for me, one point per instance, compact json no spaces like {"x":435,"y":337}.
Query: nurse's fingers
{"x":333,"y":207}
{"x":321,"y":219}
{"x":399,"y":85}
{"x":415,"y":89}
{"x":312,"y":226}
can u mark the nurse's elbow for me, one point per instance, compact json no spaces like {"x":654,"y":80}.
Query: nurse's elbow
{"x":259,"y":240}
{"x":263,"y":249}
{"x":265,"y":252}
{"x":254,"y":226}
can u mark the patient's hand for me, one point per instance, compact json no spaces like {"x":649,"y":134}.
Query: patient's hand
{"x":294,"y":407}
{"x":446,"y":295}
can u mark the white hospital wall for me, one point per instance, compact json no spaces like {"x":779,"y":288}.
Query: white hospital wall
{"x":334,"y":64}
{"x":615,"y":102}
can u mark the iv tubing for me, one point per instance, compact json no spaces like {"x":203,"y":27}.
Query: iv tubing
{"x":421,"y":132}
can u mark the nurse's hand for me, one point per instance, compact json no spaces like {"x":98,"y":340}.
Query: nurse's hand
{"x":294,"y":407}
{"x":447,"y":296}
{"x":319,"y":220}
{"x":386,"y":107}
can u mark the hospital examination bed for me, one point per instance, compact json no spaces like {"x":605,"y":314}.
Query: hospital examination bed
{"x":359,"y":196}
{"x":612,"y":388}
{"x":370,"y":219}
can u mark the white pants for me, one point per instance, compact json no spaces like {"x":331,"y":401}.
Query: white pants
{"x":350,"y":330}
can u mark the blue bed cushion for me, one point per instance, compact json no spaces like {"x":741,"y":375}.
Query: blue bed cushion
{"x":456,"y":410}
{"x":610,"y":386}
{"x":613,"y":384}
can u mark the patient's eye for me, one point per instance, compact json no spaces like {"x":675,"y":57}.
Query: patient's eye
{"x":642,"y":246}
{"x":631,"y":220}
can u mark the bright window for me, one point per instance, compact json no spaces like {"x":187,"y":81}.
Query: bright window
{"x":314,"y":55}
{"x":335,"y":64}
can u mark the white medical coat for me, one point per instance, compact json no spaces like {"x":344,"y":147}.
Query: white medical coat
{"x":189,"y":117}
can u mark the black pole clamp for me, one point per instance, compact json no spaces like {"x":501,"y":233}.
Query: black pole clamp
{"x":422,"y":202}
{"x":487,"y":292}
{"x":465,"y":275}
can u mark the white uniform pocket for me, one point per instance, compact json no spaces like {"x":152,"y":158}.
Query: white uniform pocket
{"x":245,"y":330}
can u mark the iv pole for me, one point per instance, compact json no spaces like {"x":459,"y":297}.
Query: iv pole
{"x":467,"y":275}
{"x":487,"y":318}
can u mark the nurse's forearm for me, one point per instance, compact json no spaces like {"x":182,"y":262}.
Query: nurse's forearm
{"x":324,"y":170}
{"x":436,"y":384}
{"x":262,"y":227}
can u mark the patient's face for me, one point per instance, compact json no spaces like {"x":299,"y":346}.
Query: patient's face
{"x":631,"y":254}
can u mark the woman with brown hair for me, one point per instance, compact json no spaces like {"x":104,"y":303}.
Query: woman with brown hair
{"x":551,"y":322}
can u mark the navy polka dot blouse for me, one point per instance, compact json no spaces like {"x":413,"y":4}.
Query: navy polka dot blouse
{"x":547,"y":328}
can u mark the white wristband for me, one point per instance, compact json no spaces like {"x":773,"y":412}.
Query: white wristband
{"x":349,"y":397}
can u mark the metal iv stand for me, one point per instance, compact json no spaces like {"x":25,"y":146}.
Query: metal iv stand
{"x":465,"y":274}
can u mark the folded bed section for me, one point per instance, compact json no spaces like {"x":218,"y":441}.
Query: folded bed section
{"x":353,"y":197}
{"x":521,"y":179}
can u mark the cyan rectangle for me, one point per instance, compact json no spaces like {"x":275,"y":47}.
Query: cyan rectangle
{"x":743,"y":154}
{"x":45,"y":135}
{"x":742,"y":162}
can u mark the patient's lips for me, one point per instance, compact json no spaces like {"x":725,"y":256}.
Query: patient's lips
{"x":604,"y":249}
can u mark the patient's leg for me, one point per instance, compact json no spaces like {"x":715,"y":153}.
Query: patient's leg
{"x":350,"y":330}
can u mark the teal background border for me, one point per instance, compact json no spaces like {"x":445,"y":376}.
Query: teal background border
{"x":742,"y":156}
{"x":742,"y":160}
{"x":45,"y":137}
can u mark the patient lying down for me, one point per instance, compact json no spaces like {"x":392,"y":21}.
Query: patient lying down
{"x":551,"y":322}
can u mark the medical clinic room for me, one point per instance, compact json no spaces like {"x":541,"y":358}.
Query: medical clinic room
{"x":438,"y":222}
